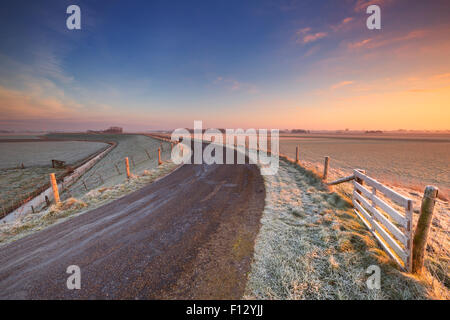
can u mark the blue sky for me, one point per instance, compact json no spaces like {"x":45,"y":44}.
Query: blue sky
{"x":163,"y":64}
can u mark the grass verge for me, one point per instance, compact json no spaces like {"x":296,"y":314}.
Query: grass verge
{"x":312,"y":246}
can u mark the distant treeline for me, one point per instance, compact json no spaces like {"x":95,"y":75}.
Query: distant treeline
{"x":299,"y":131}
{"x":281,"y":131}
{"x":374,"y":131}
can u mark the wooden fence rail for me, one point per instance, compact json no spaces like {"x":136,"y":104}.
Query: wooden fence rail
{"x":391,"y":227}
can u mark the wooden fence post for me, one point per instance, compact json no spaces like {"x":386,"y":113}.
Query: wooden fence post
{"x":297,"y":159}
{"x":325,"y":168}
{"x":127,"y":164}
{"x":360,"y":181}
{"x":54,"y":187}
{"x":409,"y":231}
{"x":159,"y":157}
{"x":423,"y":228}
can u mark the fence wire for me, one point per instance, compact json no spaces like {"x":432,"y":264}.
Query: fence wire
{"x":108,"y":171}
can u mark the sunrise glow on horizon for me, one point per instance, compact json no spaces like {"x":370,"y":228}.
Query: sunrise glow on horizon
{"x":264,"y":64}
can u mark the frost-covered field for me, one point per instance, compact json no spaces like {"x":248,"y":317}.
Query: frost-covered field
{"x":41,"y":153}
{"x":19,"y":136}
{"x":16,"y":183}
{"x":312,"y":246}
{"x":142,"y":152}
{"x":407,"y":161}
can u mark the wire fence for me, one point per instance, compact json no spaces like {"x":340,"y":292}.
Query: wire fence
{"x":114,"y":172}
{"x":108,"y":171}
{"x":15,"y":198}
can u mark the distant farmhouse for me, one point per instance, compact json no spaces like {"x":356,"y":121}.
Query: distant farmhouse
{"x":115,"y":130}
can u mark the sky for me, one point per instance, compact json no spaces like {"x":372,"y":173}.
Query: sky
{"x":148,"y":65}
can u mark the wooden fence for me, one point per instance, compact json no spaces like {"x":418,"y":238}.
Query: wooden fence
{"x":391,"y":227}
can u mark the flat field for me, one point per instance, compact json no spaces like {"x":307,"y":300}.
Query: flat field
{"x":16,"y":183}
{"x":142,"y":152}
{"x":407,"y":160}
{"x":40,"y":153}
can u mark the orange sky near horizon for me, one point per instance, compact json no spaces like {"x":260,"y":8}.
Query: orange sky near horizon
{"x":327,"y":76}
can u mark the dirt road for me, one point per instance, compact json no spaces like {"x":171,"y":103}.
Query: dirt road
{"x":189,"y":235}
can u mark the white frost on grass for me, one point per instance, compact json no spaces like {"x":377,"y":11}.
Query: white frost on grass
{"x":312,"y":246}
{"x":111,"y":169}
{"x":437,"y":253}
{"x":41,"y":153}
{"x":73,"y":207}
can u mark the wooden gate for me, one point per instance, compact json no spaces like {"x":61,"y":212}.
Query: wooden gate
{"x":391,"y":227}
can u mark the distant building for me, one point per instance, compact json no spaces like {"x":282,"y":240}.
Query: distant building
{"x":109,"y":130}
{"x":114,"y":130}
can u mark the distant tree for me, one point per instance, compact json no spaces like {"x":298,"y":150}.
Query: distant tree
{"x":299,"y":131}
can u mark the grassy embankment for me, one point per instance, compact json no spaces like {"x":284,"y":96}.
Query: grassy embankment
{"x":18,"y":182}
{"x":313,"y":246}
{"x":103,"y":182}
{"x":72,"y":207}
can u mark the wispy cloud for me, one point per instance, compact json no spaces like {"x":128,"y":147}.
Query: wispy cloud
{"x":235,"y":85}
{"x":341,"y":84}
{"x":306,"y":36}
{"x":377,"y":42}
{"x":441,"y":76}
{"x":311,"y":51}
{"x":344,"y":24}
{"x":18,"y":105}
{"x":359,"y":44}
{"x":48,"y":64}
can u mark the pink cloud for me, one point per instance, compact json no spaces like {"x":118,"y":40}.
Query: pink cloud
{"x":305,"y":36}
{"x":314,"y":37}
{"x":359,"y":44}
{"x":341,"y":84}
{"x":384,"y":41}
{"x":441,"y":76}
{"x":344,"y":24}
{"x":19,"y":105}
{"x":304,"y":30}
{"x":235,"y":85}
